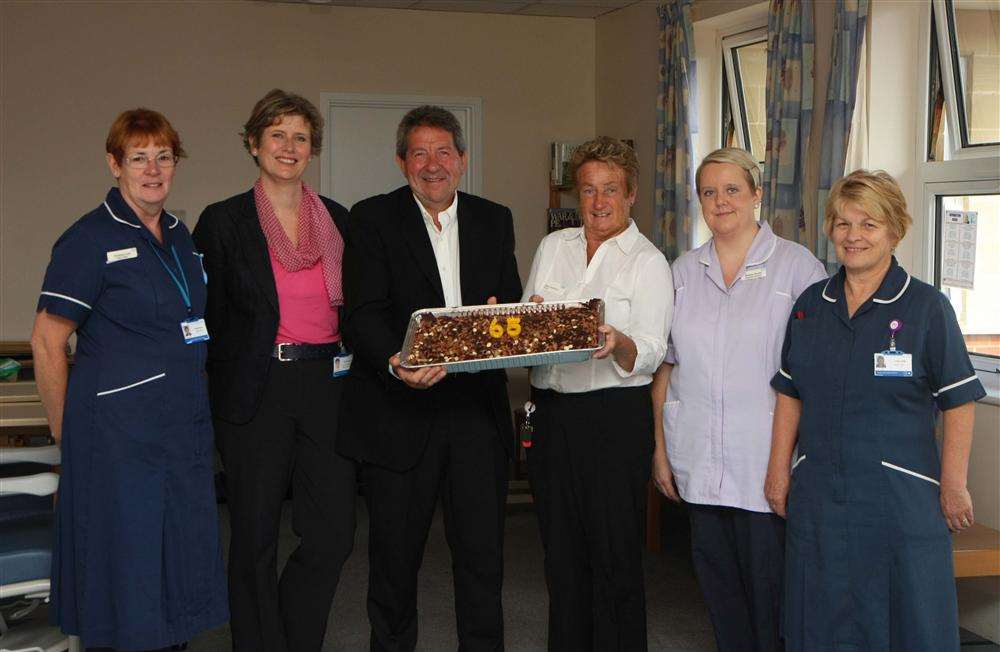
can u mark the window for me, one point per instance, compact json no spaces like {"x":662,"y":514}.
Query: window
{"x":744,"y":115}
{"x":960,"y":173}
{"x":965,"y":79}
{"x":968,"y":266}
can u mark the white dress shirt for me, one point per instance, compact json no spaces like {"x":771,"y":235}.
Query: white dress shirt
{"x":632,"y":277}
{"x":445,"y":245}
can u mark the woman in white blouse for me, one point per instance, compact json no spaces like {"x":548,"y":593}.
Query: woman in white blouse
{"x":733,"y":298}
{"x":593,"y":431}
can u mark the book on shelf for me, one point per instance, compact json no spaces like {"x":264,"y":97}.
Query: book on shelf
{"x":561,"y":153}
{"x":562,"y":218}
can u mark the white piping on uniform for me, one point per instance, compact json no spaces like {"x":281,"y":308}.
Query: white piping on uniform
{"x":784,"y":294}
{"x":784,"y":373}
{"x":797,"y":462}
{"x":905,"y":285}
{"x":954,"y":385}
{"x":909,"y":472}
{"x":118,"y":219}
{"x":141,"y":382}
{"x":831,"y":300}
{"x":774,"y":245}
{"x":63,"y":296}
{"x":175,"y":220}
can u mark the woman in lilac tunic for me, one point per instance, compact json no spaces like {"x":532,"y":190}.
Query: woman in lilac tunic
{"x":714,"y":406}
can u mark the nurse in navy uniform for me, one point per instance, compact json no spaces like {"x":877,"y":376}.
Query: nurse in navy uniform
{"x":870,"y":356}
{"x":137,"y":563}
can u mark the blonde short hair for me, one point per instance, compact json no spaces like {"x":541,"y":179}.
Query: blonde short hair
{"x":611,"y":151}
{"x":734,"y":156}
{"x":876,"y":194}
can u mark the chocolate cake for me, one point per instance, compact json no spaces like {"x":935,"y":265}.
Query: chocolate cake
{"x":502,"y":332}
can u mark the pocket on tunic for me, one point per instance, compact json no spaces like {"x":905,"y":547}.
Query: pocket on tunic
{"x":129,"y":413}
{"x":671,"y":410}
{"x":917,"y":503}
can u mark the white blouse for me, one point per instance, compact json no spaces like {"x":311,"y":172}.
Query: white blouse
{"x":632,"y":277}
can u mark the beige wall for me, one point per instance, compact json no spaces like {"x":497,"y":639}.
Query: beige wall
{"x":627,"y":46}
{"x":68,"y":68}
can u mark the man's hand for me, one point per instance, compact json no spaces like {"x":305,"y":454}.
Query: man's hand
{"x":417,"y":378}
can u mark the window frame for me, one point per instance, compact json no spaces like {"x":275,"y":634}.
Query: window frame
{"x":958,"y":146}
{"x":972,"y":170}
{"x":987,"y":367}
{"x":733,"y":82}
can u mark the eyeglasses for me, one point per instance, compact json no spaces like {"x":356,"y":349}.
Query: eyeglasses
{"x":140,"y":161}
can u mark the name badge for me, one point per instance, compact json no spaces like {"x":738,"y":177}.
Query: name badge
{"x":122,"y":254}
{"x":754,"y":274}
{"x":194,"y":330}
{"x":893,"y":363}
{"x":342,"y":364}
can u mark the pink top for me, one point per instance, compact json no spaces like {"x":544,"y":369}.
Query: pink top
{"x":306,"y":316}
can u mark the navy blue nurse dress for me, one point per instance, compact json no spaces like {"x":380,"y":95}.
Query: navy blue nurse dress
{"x":868,"y":559}
{"x":137,"y":561}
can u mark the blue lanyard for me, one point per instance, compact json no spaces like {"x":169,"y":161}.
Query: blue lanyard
{"x":181,"y":284}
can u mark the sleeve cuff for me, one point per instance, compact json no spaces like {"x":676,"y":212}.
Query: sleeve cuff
{"x":648,"y":357}
{"x":63,"y":305}
{"x":959,"y":392}
{"x":782,"y":383}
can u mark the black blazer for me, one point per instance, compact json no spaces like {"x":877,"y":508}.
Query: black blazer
{"x":242,"y":310}
{"x":389,"y":272}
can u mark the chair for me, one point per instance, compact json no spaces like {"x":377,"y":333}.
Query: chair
{"x":27,"y":483}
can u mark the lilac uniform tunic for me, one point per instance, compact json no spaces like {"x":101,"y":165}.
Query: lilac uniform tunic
{"x":725,"y":344}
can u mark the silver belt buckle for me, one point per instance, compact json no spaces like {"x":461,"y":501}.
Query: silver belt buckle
{"x":281,"y":353}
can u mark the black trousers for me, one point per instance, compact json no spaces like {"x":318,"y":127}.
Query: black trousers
{"x":739,"y":559}
{"x":466,"y":464}
{"x":289,"y":440}
{"x":589,"y":465}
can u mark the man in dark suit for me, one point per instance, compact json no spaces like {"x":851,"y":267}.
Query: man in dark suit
{"x":424,"y":433}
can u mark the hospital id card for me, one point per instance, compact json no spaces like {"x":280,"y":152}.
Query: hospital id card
{"x":342,"y":364}
{"x":194,"y":330}
{"x":893,"y":363}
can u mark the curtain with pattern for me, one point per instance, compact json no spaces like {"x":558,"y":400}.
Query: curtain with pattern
{"x":790,"y":55}
{"x":850,"y":19}
{"x":676,"y":115}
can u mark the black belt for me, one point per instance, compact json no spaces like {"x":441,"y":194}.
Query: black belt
{"x":292,"y":352}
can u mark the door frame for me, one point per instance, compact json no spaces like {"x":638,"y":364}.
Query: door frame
{"x":469,"y":107}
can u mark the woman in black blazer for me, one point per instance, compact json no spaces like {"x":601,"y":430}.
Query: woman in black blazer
{"x":276,"y":363}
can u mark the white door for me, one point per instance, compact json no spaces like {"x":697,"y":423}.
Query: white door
{"x":359,"y":139}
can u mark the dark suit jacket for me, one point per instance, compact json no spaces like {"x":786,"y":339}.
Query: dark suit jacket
{"x":389,"y":272}
{"x":242,"y":311}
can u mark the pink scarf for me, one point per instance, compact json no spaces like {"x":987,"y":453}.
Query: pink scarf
{"x":319,"y":239}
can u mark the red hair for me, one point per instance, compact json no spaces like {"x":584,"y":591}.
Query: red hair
{"x":141,"y":126}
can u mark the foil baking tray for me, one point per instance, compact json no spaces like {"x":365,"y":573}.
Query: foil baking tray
{"x":503,"y":362}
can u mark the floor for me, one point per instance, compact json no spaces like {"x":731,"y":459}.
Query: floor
{"x":676,"y":614}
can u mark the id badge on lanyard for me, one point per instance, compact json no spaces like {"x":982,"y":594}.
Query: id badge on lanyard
{"x":893,"y":362}
{"x":342,"y":362}
{"x":193,"y":329}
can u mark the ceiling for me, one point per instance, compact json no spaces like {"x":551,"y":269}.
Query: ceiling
{"x":565,"y":8}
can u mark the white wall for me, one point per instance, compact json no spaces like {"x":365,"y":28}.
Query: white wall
{"x":68,"y":68}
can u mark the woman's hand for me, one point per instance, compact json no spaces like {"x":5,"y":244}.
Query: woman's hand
{"x":776,"y":484}
{"x":618,"y":344}
{"x":536,"y":298}
{"x":663,"y":477}
{"x":956,"y":505}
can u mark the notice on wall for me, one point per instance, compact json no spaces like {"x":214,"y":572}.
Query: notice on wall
{"x":958,"y":249}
